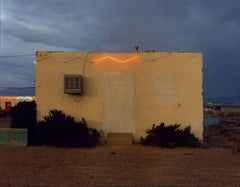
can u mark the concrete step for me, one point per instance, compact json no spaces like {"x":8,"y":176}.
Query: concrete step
{"x":119,"y":135}
{"x":119,"y":138}
{"x":119,"y":141}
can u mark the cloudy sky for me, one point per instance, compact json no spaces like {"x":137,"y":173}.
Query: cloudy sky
{"x":208,"y":26}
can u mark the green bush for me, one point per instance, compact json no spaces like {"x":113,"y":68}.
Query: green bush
{"x":59,"y":129}
{"x":170,"y":136}
{"x":23,"y":115}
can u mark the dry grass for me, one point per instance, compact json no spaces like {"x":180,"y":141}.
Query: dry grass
{"x":227,"y":132}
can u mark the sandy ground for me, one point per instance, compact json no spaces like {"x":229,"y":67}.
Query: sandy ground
{"x":134,"y":165}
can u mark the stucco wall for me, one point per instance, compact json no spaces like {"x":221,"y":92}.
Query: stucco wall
{"x":124,"y":92}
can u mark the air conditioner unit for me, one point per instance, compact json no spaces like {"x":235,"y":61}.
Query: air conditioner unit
{"x":73,"y":84}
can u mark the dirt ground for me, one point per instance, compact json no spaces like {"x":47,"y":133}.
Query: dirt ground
{"x":134,"y":165}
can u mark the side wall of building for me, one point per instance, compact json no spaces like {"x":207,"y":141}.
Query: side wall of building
{"x":124,"y":92}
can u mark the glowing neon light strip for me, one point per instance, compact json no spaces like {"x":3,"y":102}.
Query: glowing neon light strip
{"x":17,"y":97}
{"x":115,"y":59}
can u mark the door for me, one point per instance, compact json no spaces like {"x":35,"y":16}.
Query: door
{"x":118,"y":97}
{"x":8,"y":106}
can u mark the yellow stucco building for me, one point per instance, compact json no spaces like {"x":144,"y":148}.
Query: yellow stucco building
{"x":122,"y":92}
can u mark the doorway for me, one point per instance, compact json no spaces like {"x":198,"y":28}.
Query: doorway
{"x":118,"y":97}
{"x":8,"y":107}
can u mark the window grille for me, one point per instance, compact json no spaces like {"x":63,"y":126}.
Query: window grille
{"x":73,"y":84}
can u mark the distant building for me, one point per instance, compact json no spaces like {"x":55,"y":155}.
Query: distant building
{"x":122,"y":92}
{"x":7,"y":102}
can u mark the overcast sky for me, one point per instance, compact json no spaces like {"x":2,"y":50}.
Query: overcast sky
{"x":208,"y":26}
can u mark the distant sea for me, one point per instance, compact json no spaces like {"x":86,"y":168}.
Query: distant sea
{"x":233,"y":101}
{"x":17,"y":91}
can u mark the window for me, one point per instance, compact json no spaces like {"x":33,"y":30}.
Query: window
{"x":73,"y":84}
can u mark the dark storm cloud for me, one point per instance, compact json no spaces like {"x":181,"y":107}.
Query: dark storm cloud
{"x":15,"y":72}
{"x":95,"y":24}
{"x":211,"y":27}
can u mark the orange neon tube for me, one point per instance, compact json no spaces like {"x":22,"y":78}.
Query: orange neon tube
{"x":114,"y":59}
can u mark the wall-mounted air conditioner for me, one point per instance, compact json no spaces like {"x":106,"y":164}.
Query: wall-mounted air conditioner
{"x":73,"y":84}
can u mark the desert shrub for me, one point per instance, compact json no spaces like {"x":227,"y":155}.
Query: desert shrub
{"x":170,"y":136}
{"x":23,"y":115}
{"x":59,"y":129}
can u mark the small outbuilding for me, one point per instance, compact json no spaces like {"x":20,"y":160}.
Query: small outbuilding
{"x":122,"y":92}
